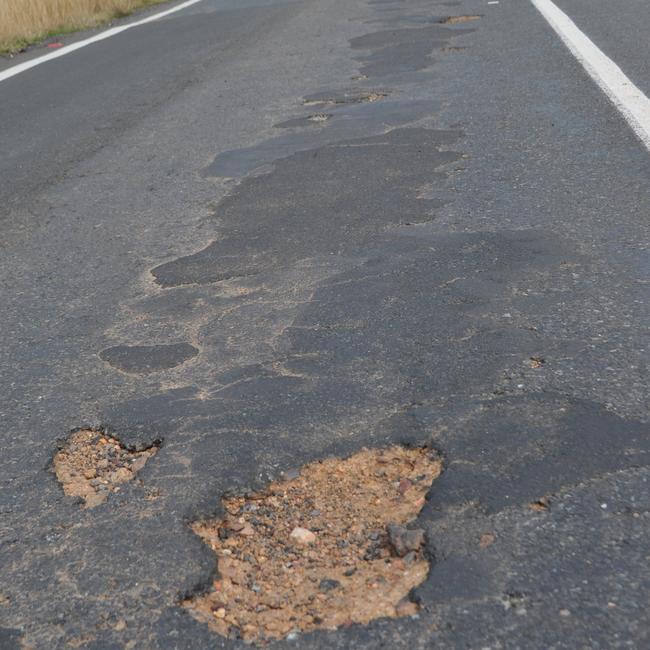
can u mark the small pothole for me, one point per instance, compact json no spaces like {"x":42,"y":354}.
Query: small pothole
{"x":326,"y":548}
{"x":92,"y":464}
{"x":316,"y":119}
{"x":319,"y":117}
{"x":352,"y":97}
{"x":456,"y":20}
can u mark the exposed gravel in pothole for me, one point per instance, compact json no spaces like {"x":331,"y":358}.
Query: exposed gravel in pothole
{"x":326,"y":548}
{"x":93,"y":464}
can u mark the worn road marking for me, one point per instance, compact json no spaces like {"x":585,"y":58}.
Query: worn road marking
{"x":22,"y":67}
{"x":629,"y":99}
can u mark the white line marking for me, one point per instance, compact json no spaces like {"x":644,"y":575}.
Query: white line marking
{"x":21,"y":67}
{"x":629,"y":99}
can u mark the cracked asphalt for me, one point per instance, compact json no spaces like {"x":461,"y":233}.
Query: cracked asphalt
{"x":267,"y":232}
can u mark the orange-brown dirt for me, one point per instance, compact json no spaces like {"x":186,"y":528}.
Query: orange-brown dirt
{"x":92,"y":464}
{"x":326,"y":548}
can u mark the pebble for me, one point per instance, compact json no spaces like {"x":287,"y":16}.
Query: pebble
{"x":405,"y":607}
{"x":328,"y":584}
{"x":404,"y":486}
{"x":138,"y":463}
{"x":404,"y":540}
{"x":121,"y":475}
{"x":235,"y":524}
{"x":302,"y":535}
{"x":410,"y":558}
{"x":291,"y":474}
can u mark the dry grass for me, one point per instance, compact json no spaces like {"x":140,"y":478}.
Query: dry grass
{"x":28,"y":21}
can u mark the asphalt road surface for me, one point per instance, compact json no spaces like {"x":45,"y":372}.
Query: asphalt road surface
{"x":454,"y":253}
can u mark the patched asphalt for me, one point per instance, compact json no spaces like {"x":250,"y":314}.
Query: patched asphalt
{"x":456,"y":256}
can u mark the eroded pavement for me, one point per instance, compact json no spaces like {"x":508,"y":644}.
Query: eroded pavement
{"x":360,"y":225}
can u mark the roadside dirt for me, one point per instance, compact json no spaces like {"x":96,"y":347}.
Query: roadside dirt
{"x":92,"y":464}
{"x":325,"y":548}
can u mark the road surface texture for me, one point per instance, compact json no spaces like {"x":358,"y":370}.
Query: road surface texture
{"x":453,"y":252}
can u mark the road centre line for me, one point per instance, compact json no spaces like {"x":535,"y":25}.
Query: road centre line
{"x":32,"y":63}
{"x":632,"y":103}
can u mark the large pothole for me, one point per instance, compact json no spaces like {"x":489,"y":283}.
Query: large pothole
{"x":327,"y":547}
{"x":92,"y":464}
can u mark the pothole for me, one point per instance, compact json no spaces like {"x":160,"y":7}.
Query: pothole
{"x":92,"y":464}
{"x":346,"y":97}
{"x":308,"y":120}
{"x":326,"y":548}
{"x":319,"y":117}
{"x":455,"y":20}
